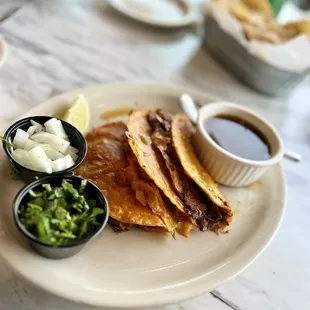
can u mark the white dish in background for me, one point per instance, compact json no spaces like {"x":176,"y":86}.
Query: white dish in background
{"x":160,"y":13}
{"x":142,"y":269}
{"x":3,"y":51}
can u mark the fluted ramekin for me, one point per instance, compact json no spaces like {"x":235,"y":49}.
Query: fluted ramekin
{"x":223,"y":166}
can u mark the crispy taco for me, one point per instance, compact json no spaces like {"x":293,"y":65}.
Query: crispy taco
{"x":103,"y":165}
{"x":139,"y":138}
{"x":182,"y":130}
{"x":150,"y":138}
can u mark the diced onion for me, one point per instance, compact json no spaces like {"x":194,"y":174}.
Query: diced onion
{"x":31,"y":130}
{"x":62,"y":163}
{"x":21,"y":156}
{"x":47,"y":167}
{"x":73,"y":156}
{"x":38,"y":126}
{"x":20,"y":139}
{"x":44,"y":148}
{"x":70,"y":161}
{"x":72,"y":149}
{"x":56,"y":143}
{"x":50,"y":152}
{"x":54,"y":126}
{"x":29,"y":145}
{"x":39,"y":160}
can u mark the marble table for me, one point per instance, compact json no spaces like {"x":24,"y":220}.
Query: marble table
{"x":57,"y":46}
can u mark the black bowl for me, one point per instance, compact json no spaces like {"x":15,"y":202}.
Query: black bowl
{"x":60,"y":251}
{"x":28,"y":175}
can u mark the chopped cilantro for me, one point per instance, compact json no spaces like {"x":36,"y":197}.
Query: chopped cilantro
{"x":60,"y":215}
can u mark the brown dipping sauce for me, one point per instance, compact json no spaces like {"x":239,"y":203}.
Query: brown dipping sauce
{"x":238,"y":137}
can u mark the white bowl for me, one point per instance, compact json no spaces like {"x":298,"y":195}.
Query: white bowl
{"x":225,"y":167}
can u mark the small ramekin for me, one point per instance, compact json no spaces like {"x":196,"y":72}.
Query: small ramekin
{"x":28,"y":175}
{"x":60,"y":251}
{"x":223,"y":166}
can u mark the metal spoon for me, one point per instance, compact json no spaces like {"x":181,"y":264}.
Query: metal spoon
{"x":191,"y":108}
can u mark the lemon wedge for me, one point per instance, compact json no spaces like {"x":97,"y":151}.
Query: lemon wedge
{"x":78,"y":114}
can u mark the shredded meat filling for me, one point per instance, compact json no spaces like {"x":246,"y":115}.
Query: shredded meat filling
{"x":198,"y":205}
{"x":118,"y":226}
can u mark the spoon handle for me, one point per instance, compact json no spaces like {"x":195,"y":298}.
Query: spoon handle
{"x":296,"y":157}
{"x":190,"y":107}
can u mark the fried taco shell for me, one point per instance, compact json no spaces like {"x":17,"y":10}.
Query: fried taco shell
{"x":182,"y":131}
{"x":139,"y":139}
{"x":104,"y":160}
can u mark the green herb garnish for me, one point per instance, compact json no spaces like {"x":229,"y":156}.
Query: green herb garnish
{"x":8,"y":143}
{"x":60,"y":215}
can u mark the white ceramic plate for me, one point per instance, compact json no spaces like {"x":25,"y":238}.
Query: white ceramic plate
{"x":140,"y":269}
{"x":161,"y":13}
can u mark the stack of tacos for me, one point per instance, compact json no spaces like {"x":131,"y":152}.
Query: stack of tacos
{"x":151,"y":176}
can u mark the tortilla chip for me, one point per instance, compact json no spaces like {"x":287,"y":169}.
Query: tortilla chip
{"x":104,"y":161}
{"x":251,"y":11}
{"x":182,"y":131}
{"x":262,"y":6}
{"x":139,"y":138}
{"x":259,"y":23}
{"x":244,"y":14}
{"x":297,"y":28}
{"x":253,"y":32}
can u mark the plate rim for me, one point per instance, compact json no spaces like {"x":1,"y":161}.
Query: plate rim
{"x":170,"y":298}
{"x":188,"y":19}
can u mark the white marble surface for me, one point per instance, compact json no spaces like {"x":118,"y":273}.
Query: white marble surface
{"x":57,"y":46}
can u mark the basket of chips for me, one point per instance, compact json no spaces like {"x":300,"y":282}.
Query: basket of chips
{"x":244,"y":35}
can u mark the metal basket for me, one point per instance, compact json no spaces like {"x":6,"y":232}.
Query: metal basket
{"x":249,"y":69}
